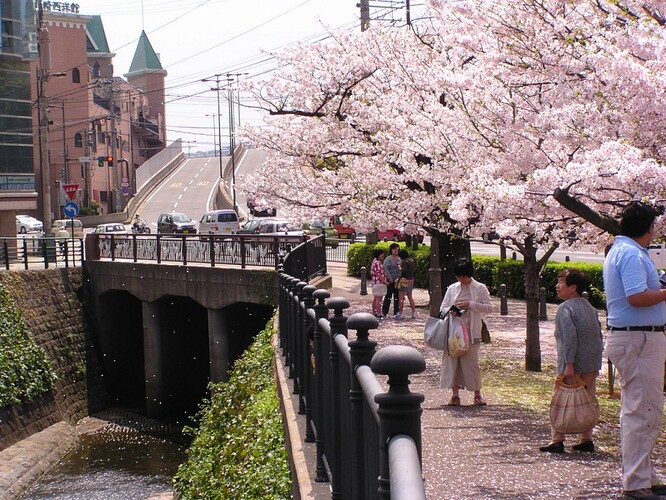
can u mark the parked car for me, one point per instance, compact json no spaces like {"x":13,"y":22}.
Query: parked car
{"x":219,"y":222}
{"x":259,"y":208}
{"x":489,"y":236}
{"x":396,"y":234}
{"x":176,"y":222}
{"x":114,"y":228}
{"x":28,"y":224}
{"x":250,"y":227}
{"x":70,"y":225}
{"x":279,"y":227}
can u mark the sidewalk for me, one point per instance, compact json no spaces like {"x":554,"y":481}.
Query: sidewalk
{"x":492,"y":451}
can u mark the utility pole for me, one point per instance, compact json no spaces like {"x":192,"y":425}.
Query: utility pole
{"x":114,"y":155}
{"x":365,"y":14}
{"x":217,"y":89}
{"x":232,"y":144}
{"x":214,"y":136}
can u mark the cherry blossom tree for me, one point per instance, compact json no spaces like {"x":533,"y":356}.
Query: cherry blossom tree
{"x":529,"y":117}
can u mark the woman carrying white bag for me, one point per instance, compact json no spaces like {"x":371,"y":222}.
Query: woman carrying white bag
{"x":473,"y":299}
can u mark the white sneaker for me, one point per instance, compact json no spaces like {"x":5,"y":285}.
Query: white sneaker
{"x":398,"y":316}
{"x":414,"y":315}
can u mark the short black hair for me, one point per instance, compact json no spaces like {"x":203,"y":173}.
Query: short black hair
{"x":574,"y":277}
{"x":637,"y":217}
{"x":403,"y":254}
{"x":463,"y":267}
{"x":392,"y":246}
{"x":377,"y":252}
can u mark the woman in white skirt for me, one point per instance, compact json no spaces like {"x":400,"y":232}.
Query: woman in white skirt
{"x":473,"y":298}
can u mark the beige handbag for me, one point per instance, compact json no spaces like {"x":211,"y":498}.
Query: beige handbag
{"x":572,"y":409}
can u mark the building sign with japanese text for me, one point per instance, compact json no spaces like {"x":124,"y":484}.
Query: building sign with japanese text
{"x":17,"y":182}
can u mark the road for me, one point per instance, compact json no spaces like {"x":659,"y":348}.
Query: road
{"x":191,"y":189}
{"x":585,"y":254}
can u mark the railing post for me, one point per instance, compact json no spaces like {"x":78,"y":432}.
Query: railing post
{"x":543,"y":314}
{"x":504,"y":306}
{"x":361,"y":352}
{"x":158,"y":249}
{"x":399,"y":409}
{"x":307,"y":345}
{"x":242,"y":251}
{"x":212,"y":251}
{"x":135,"y":250}
{"x":338,"y":324}
{"x":65,"y":247}
{"x":321,"y":312}
{"x":291,"y":328}
{"x":184,"y":250}
{"x":5,"y":249}
{"x":25,"y":252}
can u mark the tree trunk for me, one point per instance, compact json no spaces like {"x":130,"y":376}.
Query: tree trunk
{"x":532,"y":338}
{"x":451,"y":247}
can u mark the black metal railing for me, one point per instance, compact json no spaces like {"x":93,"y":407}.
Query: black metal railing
{"x":306,"y":260}
{"x":40,"y":252}
{"x":368,"y":441}
{"x":237,"y":250}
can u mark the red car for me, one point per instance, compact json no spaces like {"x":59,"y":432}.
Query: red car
{"x":395,"y":235}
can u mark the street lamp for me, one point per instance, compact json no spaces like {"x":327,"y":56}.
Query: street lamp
{"x":214,"y":139}
{"x":189,"y":148}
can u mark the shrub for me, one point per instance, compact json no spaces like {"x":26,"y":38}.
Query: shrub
{"x":25,"y":371}
{"x":239,"y":449}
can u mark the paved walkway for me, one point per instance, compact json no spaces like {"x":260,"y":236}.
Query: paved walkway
{"x":491,"y":451}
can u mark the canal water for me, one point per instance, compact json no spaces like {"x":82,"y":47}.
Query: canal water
{"x":120,"y":455}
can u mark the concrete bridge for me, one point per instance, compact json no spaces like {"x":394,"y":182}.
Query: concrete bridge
{"x":172,"y":313}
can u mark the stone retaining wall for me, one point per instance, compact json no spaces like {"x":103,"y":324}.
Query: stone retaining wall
{"x":52,"y":304}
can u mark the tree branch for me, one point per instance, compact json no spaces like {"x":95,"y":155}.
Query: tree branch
{"x":601,"y":221}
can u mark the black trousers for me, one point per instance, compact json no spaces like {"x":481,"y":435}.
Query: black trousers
{"x":391,"y":291}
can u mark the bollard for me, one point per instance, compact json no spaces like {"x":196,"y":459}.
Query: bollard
{"x":364,"y":281}
{"x":567,"y":258}
{"x":542,"y":303}
{"x":504,"y":306}
{"x":514,"y":256}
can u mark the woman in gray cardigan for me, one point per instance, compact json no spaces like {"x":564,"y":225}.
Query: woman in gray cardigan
{"x":579,"y":346}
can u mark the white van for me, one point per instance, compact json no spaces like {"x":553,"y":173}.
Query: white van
{"x":219,"y":222}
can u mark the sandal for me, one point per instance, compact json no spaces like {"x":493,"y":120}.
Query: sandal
{"x":454,"y":401}
{"x":479,"y":401}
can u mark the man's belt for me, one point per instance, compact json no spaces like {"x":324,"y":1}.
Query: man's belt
{"x":649,"y":328}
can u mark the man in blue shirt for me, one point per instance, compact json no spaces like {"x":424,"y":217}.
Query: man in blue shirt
{"x":636,"y":345}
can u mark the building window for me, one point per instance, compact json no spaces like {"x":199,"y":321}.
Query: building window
{"x":96,"y":71}
{"x":78,"y":140}
{"x":76,"y":76}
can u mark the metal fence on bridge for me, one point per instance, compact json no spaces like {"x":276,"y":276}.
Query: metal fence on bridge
{"x":40,"y":252}
{"x":368,"y":441}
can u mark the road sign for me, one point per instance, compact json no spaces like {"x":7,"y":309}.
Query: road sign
{"x":85,"y":159}
{"x":71,"y":209}
{"x":125,"y":190}
{"x":70,"y":189}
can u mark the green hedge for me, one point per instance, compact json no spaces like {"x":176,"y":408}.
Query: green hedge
{"x":239,"y":449}
{"x":25,"y":371}
{"x":488,"y":270}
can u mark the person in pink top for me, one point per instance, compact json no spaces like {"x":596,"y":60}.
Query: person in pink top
{"x":378,"y":282}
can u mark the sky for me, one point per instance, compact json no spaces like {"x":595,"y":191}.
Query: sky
{"x":197,"y":39}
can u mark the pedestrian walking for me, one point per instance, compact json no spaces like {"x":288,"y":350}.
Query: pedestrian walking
{"x":407,"y":280}
{"x":579,"y":346}
{"x":392,"y":270}
{"x":377,"y":282}
{"x":473,"y":299}
{"x":636,"y":346}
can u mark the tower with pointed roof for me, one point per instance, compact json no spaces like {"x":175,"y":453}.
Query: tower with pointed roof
{"x":147,"y":74}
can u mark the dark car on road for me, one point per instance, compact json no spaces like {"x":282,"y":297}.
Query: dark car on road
{"x":250,"y":227}
{"x":175,"y":223}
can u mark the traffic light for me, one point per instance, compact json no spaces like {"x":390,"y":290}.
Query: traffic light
{"x":100,"y":161}
{"x":109,"y":160}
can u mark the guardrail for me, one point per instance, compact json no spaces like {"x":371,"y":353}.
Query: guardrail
{"x":237,"y":250}
{"x":368,"y":442}
{"x":40,"y":252}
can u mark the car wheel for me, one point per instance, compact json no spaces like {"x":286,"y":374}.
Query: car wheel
{"x":486,"y":237}
{"x":23,"y":230}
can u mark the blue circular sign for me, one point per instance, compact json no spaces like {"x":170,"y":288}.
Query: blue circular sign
{"x":71,"y":209}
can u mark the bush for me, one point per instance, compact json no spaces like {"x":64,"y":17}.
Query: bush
{"x":360,"y":255}
{"x":239,"y":449}
{"x":25,"y":371}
